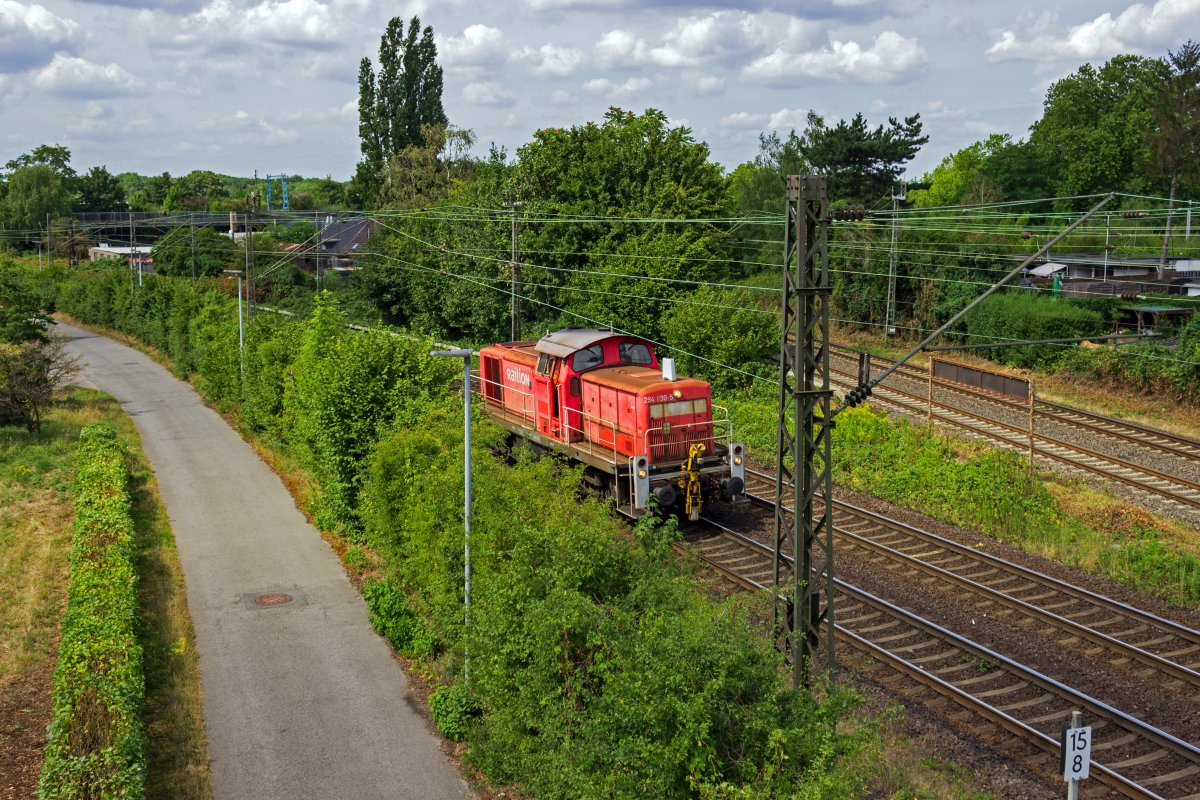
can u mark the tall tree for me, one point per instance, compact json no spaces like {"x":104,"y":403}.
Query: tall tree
{"x":1175,"y":138}
{"x":421,"y":175}
{"x":393,"y":106}
{"x":99,"y":190}
{"x":862,"y":164}
{"x":33,"y":192}
{"x":55,"y":156}
{"x":152,"y":194}
{"x":1090,"y":137}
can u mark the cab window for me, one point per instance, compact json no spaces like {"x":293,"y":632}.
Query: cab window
{"x":634,"y":353}
{"x":586,"y":359}
{"x":543,"y":365}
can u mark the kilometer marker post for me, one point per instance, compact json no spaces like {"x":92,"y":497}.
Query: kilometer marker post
{"x":1076,"y":753}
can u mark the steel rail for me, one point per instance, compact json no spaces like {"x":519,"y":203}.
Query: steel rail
{"x":1182,"y":631}
{"x":1157,"y":662}
{"x":949,"y":412}
{"x":1168,"y":745}
{"x":1175,"y":639}
{"x":1172,"y":444}
{"x":1181,"y":446}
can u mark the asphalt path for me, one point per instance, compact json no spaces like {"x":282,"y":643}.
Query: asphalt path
{"x":301,"y":698}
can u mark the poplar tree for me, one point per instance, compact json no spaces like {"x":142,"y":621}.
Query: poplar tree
{"x":394,"y":104}
{"x":1175,"y":138}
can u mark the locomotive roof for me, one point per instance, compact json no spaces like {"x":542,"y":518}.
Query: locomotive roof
{"x":570,"y":340}
{"x":639,"y":379}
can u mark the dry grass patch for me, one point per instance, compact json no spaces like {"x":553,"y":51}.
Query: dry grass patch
{"x":36,"y":512}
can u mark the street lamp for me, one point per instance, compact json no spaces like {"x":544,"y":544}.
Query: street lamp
{"x":241,"y":329}
{"x":465,"y":355}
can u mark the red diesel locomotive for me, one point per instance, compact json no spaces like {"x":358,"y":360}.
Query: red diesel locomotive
{"x":603,"y":399}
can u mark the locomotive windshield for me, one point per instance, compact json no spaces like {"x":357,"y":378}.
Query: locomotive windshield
{"x":634,"y":353}
{"x":587,"y":358}
{"x":679,"y":408}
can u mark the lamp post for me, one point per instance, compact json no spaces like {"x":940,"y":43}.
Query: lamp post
{"x":241,"y":329}
{"x":465,"y":355}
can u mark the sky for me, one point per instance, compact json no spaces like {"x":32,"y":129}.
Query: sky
{"x":238,"y":86}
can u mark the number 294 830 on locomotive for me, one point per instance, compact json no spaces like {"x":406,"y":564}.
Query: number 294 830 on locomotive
{"x":604,"y":399}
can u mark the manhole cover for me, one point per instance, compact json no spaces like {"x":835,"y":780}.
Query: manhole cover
{"x":273,"y":599}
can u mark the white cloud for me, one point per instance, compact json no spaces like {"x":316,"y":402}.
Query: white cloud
{"x":1139,"y":27}
{"x":550,"y":61}
{"x":614,"y":90}
{"x":30,"y":35}
{"x":620,"y":48}
{"x":716,"y":37}
{"x":936,"y":109}
{"x":220,"y":25}
{"x":890,"y":58}
{"x":10,"y":89}
{"x":268,"y":133}
{"x":479,"y":46}
{"x":707,"y":85}
{"x":743,"y":119}
{"x":487,"y":93}
{"x":76,"y":77}
{"x":786,"y":119}
{"x":100,"y":122}
{"x":560,"y":97}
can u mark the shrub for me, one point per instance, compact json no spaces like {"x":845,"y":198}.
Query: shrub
{"x":731,"y":328}
{"x":346,"y":388}
{"x":596,"y":667}
{"x":453,"y":709}
{"x":96,"y":746}
{"x":395,"y":621}
{"x":1024,"y":316}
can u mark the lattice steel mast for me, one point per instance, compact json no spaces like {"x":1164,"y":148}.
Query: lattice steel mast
{"x":805,"y":628}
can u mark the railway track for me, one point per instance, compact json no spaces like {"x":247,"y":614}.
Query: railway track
{"x":1160,"y":441}
{"x":1162,"y":650}
{"x":1130,"y":757}
{"x":1176,"y":488}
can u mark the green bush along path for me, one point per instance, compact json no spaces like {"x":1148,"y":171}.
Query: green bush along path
{"x":301,"y":699}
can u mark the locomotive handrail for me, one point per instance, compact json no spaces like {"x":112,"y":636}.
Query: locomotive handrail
{"x":529,"y":415}
{"x":719,"y":431}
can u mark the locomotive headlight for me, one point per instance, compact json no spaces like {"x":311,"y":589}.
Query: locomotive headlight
{"x":641,"y":473}
{"x":677,"y":394}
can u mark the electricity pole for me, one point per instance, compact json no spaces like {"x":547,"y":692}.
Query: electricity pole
{"x":192,"y":222}
{"x":805,"y":426}
{"x":889,"y":320}
{"x":249,"y":270}
{"x":513,"y":207}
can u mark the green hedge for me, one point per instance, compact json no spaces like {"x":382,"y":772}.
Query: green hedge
{"x":96,"y":744}
{"x":1024,"y":316}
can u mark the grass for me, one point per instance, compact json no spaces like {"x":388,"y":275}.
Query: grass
{"x":36,"y":473}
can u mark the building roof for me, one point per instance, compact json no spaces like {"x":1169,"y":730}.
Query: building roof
{"x":1046,"y":270}
{"x":345,"y":237}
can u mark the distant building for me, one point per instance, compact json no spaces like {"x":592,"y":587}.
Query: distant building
{"x":337,"y":247}
{"x":140,"y":255}
{"x":1097,"y":274}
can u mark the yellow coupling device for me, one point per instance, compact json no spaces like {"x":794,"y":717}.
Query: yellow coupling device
{"x":692,"y":499}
